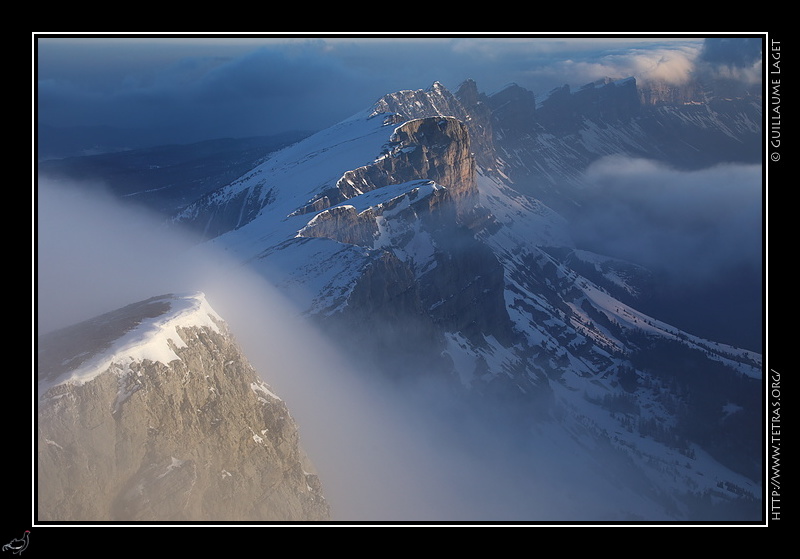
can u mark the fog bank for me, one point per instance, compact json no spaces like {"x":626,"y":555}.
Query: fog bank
{"x":700,"y":231}
{"x":399,"y":451}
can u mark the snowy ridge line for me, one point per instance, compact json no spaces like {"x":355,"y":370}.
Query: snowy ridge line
{"x":396,"y":197}
{"x":263,"y":387}
{"x":632,"y":319}
{"x":388,"y":194}
{"x":149,"y":340}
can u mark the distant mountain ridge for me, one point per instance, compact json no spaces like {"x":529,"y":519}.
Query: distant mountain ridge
{"x":545,"y":153}
{"x":168,"y":177}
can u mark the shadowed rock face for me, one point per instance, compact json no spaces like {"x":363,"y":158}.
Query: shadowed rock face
{"x":200,"y":438}
{"x":437,"y":149}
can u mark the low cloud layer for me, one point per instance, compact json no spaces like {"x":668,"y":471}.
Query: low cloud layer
{"x":671,"y":63}
{"x":694,"y":223}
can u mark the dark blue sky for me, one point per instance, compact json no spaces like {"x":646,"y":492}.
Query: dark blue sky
{"x":200,"y":88}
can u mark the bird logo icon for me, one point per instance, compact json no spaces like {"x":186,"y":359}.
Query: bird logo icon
{"x":18,"y":545}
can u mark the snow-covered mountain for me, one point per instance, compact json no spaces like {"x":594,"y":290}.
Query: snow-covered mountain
{"x":384,"y":227}
{"x":152,"y":413}
{"x":429,"y":238}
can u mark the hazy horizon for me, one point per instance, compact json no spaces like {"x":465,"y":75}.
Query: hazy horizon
{"x":192,"y":89}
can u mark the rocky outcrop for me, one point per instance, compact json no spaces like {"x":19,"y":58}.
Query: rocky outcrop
{"x":467,"y":106}
{"x":343,"y":224}
{"x":434,"y":148}
{"x":152,"y":413}
{"x":664,"y":93}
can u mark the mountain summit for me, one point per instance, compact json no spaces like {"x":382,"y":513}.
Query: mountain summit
{"x":152,"y":413}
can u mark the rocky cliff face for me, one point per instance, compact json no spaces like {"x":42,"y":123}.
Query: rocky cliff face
{"x":468,"y":106}
{"x":433,"y":148}
{"x":663,"y":93}
{"x":152,"y":413}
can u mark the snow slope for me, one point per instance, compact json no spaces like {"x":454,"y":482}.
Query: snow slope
{"x":150,"y":335}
